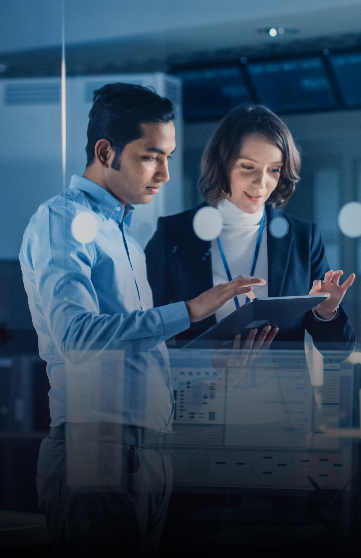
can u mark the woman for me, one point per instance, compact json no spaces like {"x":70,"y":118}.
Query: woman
{"x":249,"y":168}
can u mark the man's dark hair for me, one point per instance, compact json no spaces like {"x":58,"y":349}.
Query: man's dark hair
{"x":224,"y":146}
{"x":117,"y":113}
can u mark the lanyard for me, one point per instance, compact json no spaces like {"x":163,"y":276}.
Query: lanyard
{"x":255,"y":257}
{"x":127,"y":251}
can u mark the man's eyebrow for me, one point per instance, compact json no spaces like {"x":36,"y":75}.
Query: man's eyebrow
{"x":157,"y":150}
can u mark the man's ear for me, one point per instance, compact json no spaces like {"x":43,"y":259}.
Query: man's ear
{"x":102,"y":152}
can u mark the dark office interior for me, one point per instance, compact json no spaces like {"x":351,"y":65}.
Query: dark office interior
{"x":303,"y":61}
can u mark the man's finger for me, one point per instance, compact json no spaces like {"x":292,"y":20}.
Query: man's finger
{"x":210,"y":301}
{"x":247,"y":280}
{"x":243,"y":285}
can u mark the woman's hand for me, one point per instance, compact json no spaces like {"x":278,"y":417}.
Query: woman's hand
{"x":236,"y":360}
{"x":330,"y":285}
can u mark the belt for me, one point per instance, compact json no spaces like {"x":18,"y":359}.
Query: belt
{"x":114,"y":433}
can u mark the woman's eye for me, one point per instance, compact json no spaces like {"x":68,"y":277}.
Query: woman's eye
{"x":149,"y":158}
{"x":246,"y":167}
{"x":276,"y":171}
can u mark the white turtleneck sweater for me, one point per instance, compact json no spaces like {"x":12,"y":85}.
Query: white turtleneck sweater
{"x":239,"y":239}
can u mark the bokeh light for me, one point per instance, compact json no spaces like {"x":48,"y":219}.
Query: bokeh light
{"x":355,"y":357}
{"x":278,"y":227}
{"x":349,"y":219}
{"x":207,"y":223}
{"x":84,"y":227}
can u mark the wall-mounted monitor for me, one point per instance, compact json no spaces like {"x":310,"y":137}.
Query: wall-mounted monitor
{"x":209,"y":93}
{"x":293,"y":85}
{"x":347,"y":70}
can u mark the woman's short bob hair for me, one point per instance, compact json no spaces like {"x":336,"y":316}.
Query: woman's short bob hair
{"x":224,"y":146}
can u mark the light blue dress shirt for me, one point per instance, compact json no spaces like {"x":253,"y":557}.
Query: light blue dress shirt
{"x":106,"y":358}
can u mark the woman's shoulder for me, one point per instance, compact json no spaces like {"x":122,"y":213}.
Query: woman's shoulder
{"x":173,"y":221}
{"x":296,"y":224}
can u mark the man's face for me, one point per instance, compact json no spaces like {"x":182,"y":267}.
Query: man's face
{"x":143,"y":165}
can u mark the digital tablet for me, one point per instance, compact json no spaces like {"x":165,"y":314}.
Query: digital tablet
{"x":259,"y":312}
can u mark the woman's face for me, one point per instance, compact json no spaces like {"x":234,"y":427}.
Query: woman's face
{"x":255,"y":173}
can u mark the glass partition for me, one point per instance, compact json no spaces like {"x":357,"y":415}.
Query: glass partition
{"x":259,"y":449}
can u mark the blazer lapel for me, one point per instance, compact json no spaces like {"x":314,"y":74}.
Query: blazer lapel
{"x":278,"y":253}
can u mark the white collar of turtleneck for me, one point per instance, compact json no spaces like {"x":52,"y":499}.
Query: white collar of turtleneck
{"x":232,"y":215}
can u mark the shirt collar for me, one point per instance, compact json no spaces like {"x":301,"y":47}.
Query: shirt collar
{"x":232,"y":215}
{"x":105,"y":202}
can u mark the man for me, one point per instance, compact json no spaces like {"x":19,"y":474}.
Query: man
{"x":104,"y":472}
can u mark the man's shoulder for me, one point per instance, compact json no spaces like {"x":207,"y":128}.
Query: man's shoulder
{"x":70,"y":201}
{"x":44,"y":209}
{"x":51,"y":224}
{"x":53,"y":216}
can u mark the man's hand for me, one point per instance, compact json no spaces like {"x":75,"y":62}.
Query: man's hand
{"x":210,"y":301}
{"x":330,"y":285}
{"x":236,"y":360}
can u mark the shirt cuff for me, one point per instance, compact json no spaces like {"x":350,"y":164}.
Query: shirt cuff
{"x":175,"y":318}
{"x":323,"y":319}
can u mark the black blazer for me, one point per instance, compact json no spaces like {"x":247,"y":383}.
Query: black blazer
{"x":179,"y":268}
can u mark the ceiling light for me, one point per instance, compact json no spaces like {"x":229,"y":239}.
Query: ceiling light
{"x":277,"y":30}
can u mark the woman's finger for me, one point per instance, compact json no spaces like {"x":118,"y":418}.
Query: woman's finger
{"x":328,"y":276}
{"x":316,"y":288}
{"x":247,"y":347}
{"x":336,"y":276}
{"x":266,"y":342}
{"x":262,"y":334}
{"x":346,"y":284}
{"x":270,"y":337}
{"x":248,"y":344}
{"x":237,"y":342}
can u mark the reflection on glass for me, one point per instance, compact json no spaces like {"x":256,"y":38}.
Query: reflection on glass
{"x":207,"y":223}
{"x":278,"y":227}
{"x":349,"y":219}
{"x":84,"y":227}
